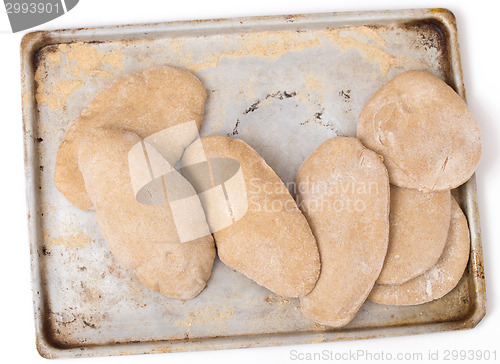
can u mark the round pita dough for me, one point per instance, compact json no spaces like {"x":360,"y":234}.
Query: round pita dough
{"x":343,"y":191}
{"x":144,"y":103}
{"x":441,"y":278}
{"x":427,"y":135}
{"x":419,"y":224}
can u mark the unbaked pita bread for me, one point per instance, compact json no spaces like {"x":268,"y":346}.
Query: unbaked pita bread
{"x":272,"y":243}
{"x":142,"y":237}
{"x":419,"y":224}
{"x":427,"y":135}
{"x":441,"y":278}
{"x":344,"y":194}
{"x":143,"y":103}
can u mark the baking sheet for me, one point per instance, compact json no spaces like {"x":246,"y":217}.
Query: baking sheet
{"x":283,"y":84}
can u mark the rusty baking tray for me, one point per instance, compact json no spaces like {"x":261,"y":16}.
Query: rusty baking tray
{"x":283,"y":84}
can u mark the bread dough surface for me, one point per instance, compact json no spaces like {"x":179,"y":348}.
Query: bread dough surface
{"x":441,"y":278}
{"x":143,"y":103}
{"x":344,"y":194}
{"x":427,"y":135}
{"x":142,"y":237}
{"x":272,"y":243}
{"x":419,"y":225}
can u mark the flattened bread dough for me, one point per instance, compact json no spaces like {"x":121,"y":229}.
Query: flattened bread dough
{"x":419,"y":224}
{"x":427,"y":135}
{"x":344,"y":193}
{"x":441,"y":278}
{"x":142,"y":237}
{"x":143,"y":103}
{"x":272,"y":243}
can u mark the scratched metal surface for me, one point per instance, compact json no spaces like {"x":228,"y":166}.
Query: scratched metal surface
{"x":283,"y":84}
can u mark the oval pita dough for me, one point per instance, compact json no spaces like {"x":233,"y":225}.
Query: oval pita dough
{"x":144,"y":103}
{"x":427,"y":135}
{"x":272,"y":243}
{"x":344,"y":193}
{"x":419,"y":224}
{"x":142,"y":237}
{"x":441,"y":278}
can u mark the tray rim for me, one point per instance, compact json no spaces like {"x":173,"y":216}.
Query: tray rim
{"x":33,"y":41}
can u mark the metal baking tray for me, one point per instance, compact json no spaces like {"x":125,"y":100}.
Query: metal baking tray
{"x":284,"y":84}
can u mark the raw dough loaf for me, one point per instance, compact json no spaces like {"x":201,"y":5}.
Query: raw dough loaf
{"x":272,"y":243}
{"x":427,"y":135}
{"x":344,"y":193}
{"x":441,"y":278}
{"x":419,"y":224}
{"x":144,"y":103}
{"x":142,"y":237}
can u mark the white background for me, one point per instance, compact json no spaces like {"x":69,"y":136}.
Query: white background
{"x":478,"y":24}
